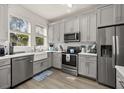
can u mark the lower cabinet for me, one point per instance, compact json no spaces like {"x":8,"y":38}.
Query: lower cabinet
{"x":119,"y":80}
{"x":87,"y":66}
{"x":57,"y":60}
{"x":50,"y":58}
{"x":40,"y":65}
{"x":5,"y":73}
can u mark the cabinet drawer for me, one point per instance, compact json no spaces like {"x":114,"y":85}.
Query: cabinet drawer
{"x":5,"y":76}
{"x":4,"y":62}
{"x":39,"y":66}
{"x":90,"y":58}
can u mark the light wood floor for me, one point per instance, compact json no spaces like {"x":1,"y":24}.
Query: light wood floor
{"x":60,"y":80}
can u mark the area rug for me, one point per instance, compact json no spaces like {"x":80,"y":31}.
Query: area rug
{"x":43,"y":75}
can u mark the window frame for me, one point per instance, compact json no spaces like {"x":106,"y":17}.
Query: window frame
{"x":19,"y":32}
{"x":43,"y":35}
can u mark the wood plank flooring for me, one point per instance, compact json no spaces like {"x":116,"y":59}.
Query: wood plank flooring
{"x":60,"y":80}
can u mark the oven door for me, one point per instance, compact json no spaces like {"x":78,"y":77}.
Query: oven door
{"x":72,"y":62}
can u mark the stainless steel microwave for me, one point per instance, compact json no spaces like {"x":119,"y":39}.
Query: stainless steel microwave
{"x":72,"y":37}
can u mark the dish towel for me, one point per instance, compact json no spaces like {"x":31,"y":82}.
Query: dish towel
{"x":67,"y":57}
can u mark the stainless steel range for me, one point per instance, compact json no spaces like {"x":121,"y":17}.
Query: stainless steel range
{"x":70,"y":60}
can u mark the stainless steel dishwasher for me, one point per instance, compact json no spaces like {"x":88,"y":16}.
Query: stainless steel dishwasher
{"x":22,"y":69}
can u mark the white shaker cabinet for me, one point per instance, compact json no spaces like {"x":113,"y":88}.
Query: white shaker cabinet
{"x":119,"y":13}
{"x":87,"y":66}
{"x":72,"y":25}
{"x":3,"y":22}
{"x":76,"y":24}
{"x":5,"y":73}
{"x":92,"y":26}
{"x":84,"y":27}
{"x":50,"y":58}
{"x":56,"y":33}
{"x":106,"y":15}
{"x":69,"y":26}
{"x":82,"y":68}
{"x":61,"y":31}
{"x":50,"y":33}
{"x":57,"y":60}
{"x":40,"y":65}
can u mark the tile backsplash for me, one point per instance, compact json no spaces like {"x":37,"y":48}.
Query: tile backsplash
{"x":65,"y":45}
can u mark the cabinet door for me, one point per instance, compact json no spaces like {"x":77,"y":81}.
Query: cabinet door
{"x":92,"y":69}
{"x":119,"y":13}
{"x":50,"y":58}
{"x":84,"y":27}
{"x":50,"y":33}
{"x":82,"y":66}
{"x":3,"y":22}
{"x":76,"y":25}
{"x":57,"y":60}
{"x":61,"y":31}
{"x":5,"y":76}
{"x":106,"y":15}
{"x":92,"y":27}
{"x":56,"y":34}
{"x":69,"y":26}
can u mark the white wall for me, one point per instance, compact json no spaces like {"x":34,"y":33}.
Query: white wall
{"x":21,"y":12}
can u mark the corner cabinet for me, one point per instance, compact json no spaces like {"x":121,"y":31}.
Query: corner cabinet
{"x":57,"y":60}
{"x":87,"y":66}
{"x":3,"y":22}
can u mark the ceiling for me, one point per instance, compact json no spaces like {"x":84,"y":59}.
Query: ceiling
{"x":53,"y":11}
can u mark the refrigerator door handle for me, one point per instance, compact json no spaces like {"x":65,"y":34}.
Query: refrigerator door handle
{"x":113,"y":62}
{"x":117,"y":45}
{"x":113,"y":40}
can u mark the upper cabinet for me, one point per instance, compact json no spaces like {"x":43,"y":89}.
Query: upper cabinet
{"x":106,"y":15}
{"x":61,"y":31}
{"x":3,"y":22}
{"x":119,"y":13}
{"x":88,"y":27}
{"x":72,"y":25}
{"x":50,"y":34}
{"x":110,"y":14}
{"x":56,"y":33}
{"x":92,"y":26}
{"x":84,"y":27}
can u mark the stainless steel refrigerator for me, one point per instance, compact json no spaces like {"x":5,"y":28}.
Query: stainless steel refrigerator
{"x":110,"y":45}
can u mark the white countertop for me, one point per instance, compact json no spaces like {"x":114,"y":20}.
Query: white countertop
{"x":15,"y":55}
{"x":90,"y":54}
{"x":24,"y":54}
{"x":120,"y":69}
{"x":54,"y":51}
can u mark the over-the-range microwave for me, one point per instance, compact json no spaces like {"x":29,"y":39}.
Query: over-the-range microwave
{"x":72,"y":37}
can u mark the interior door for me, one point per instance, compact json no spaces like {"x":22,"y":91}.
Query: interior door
{"x":120,"y":45}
